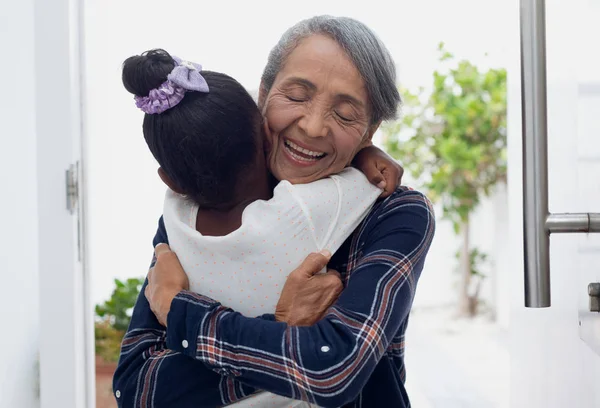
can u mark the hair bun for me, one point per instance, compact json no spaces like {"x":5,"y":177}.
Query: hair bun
{"x":142,"y":73}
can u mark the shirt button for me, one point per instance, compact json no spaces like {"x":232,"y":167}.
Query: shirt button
{"x":185,"y":344}
{"x":118,"y":394}
{"x":325,"y":349}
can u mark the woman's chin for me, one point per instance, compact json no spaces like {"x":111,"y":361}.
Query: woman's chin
{"x":285,"y":167}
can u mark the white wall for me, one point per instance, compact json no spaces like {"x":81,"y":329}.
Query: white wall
{"x":18,"y":206}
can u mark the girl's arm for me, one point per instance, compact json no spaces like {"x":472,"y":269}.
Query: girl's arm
{"x":380,"y":168}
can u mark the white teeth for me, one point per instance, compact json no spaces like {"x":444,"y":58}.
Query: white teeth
{"x":292,"y":146}
{"x":300,"y":158}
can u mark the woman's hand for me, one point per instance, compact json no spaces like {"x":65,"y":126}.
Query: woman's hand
{"x":165,"y":280}
{"x":381,"y":169}
{"x":307,"y":294}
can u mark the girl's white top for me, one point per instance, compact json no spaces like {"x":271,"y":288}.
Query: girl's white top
{"x":246,"y":269}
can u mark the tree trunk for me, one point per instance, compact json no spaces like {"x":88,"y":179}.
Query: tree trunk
{"x":465,"y":302}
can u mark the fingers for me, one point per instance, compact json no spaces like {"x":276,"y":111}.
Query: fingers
{"x":150,"y":277}
{"x":150,"y":274}
{"x":165,"y":257}
{"x":400,"y":174}
{"x":392,"y":173}
{"x":334,"y":273}
{"x":314,"y":263}
{"x":373,"y":174}
{"x":391,"y":177}
{"x":148,"y":294}
{"x":333,"y":281}
{"x":161,"y":249}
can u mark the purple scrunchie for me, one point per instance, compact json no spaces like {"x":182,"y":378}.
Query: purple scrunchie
{"x":184,"y":77}
{"x":160,"y":99}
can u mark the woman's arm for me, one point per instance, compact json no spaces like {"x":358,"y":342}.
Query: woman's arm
{"x":151,"y":375}
{"x":330,"y":362}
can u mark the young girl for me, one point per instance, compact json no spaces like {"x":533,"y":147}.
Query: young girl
{"x":236,"y":237}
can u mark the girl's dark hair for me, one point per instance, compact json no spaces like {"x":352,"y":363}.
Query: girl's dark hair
{"x":205,"y":142}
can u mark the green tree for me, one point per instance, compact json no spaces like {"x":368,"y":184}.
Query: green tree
{"x":114,"y":317}
{"x":117,"y":309}
{"x":452,"y":139}
{"x":108,"y":341}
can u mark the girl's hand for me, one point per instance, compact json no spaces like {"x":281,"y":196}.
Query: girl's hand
{"x":380,"y":168}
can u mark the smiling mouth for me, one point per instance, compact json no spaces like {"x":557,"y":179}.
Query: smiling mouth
{"x":302,"y":154}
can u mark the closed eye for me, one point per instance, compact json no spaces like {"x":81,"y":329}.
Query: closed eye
{"x":344,"y":118}
{"x":293,"y":99}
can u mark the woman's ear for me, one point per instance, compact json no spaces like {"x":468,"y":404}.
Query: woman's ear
{"x":168,"y":181}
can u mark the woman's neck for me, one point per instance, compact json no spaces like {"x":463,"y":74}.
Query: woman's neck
{"x":220,"y":222}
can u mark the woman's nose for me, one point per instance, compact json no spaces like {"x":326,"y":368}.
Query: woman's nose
{"x":313,"y":124}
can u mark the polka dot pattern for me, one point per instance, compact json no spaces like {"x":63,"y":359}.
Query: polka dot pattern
{"x":246,"y":270}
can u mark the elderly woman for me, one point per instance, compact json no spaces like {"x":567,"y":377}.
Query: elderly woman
{"x":328,"y":84}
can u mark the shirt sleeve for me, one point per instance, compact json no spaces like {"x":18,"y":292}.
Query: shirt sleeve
{"x":150,"y":375}
{"x":336,"y":205}
{"x":330,"y":362}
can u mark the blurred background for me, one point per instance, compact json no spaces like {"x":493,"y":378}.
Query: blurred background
{"x":470,"y":342}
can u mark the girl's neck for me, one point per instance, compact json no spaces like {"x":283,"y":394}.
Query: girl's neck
{"x":220,"y":222}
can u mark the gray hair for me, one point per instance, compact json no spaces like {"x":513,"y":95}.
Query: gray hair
{"x":371,"y":58}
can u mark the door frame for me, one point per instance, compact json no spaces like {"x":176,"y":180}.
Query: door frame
{"x":66,"y":339}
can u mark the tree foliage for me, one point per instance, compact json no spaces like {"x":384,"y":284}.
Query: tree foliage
{"x":455,"y":134}
{"x":452,"y":140}
{"x":117,"y":309}
{"x":114,"y":317}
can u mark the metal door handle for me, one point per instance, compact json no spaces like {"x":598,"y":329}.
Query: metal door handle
{"x":538,"y":223}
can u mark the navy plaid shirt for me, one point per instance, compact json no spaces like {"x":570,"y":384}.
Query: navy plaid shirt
{"x":211,"y":356}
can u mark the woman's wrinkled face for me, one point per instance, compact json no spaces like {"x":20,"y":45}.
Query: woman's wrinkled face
{"x":317,"y":113}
